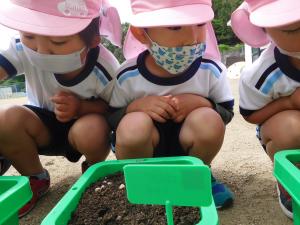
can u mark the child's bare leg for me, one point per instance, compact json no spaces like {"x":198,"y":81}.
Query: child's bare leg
{"x":282,"y":131}
{"x":202,"y":134}
{"x":89,"y":136}
{"x":21,"y":132}
{"x":136,"y":136}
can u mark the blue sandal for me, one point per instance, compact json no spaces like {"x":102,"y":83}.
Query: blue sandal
{"x":222,"y":195}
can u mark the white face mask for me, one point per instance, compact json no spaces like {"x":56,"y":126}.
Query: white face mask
{"x":291,"y":54}
{"x":59,"y":64}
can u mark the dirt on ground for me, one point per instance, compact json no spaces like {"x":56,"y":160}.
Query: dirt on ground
{"x":241,"y":163}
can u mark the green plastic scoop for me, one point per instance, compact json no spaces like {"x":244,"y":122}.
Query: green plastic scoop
{"x":169,"y":185}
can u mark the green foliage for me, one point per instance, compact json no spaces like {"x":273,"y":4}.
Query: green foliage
{"x":223,"y":10}
{"x":225,"y":48}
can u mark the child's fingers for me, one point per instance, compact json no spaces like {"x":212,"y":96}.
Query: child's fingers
{"x":168,"y":108}
{"x":167,"y":96}
{"x":179,"y":119}
{"x":170,"y":111}
{"x":59,"y":99}
{"x":162,"y":112}
{"x":62,"y":107}
{"x":157,"y":117}
{"x":175,"y":103}
{"x":62,"y":117}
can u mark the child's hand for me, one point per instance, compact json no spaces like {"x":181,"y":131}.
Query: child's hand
{"x":159,"y":108}
{"x":66,"y":106}
{"x":186,"y":103}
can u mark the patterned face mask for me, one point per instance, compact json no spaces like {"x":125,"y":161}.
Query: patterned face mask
{"x":176,"y":60}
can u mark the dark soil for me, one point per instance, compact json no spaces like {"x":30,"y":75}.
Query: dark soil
{"x":105,"y":202}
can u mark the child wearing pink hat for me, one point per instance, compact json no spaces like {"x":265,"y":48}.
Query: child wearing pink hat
{"x":68,"y":83}
{"x":270,"y":88}
{"x":172,"y":98}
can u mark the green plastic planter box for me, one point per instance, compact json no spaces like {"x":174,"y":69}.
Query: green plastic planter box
{"x":288,"y":176}
{"x":15,"y":192}
{"x":62,"y":212}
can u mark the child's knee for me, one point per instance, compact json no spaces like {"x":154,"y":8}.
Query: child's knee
{"x":137,"y":123}
{"x":12,"y":118}
{"x":18,"y":120}
{"x":275,"y":130}
{"x":205,"y":121}
{"x":95,"y":130}
{"x":135,"y":128}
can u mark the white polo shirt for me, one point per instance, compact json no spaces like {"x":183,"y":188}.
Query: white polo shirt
{"x":95,"y":81}
{"x":270,"y":77}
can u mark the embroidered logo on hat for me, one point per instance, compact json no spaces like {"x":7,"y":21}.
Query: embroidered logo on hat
{"x":73,"y":8}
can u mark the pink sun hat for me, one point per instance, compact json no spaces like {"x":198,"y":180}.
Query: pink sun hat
{"x":154,"y":13}
{"x":274,"y":13}
{"x":162,"y":13}
{"x":49,"y":17}
{"x":248,"y":20}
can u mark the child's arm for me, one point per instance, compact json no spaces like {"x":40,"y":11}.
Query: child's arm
{"x":68,"y":106}
{"x":117,"y":114}
{"x":11,"y":58}
{"x":291,"y":102}
{"x":186,"y":103}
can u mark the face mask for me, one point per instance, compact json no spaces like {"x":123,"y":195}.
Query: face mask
{"x":58,"y":64}
{"x":176,"y":60}
{"x":291,"y":54}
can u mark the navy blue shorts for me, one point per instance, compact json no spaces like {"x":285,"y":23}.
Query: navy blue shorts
{"x":169,"y":144}
{"x":59,"y":144}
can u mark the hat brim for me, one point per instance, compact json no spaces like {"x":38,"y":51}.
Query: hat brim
{"x":27,"y":20}
{"x":181,"y":15}
{"x":276,"y":14}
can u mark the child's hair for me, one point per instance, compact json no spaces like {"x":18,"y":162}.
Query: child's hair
{"x":91,"y":31}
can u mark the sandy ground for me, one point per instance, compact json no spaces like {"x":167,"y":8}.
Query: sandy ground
{"x":241,"y":163}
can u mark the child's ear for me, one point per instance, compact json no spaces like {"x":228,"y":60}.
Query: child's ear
{"x":139,"y":34}
{"x":95,"y":42}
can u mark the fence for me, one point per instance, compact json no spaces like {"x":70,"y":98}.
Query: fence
{"x":10,"y":92}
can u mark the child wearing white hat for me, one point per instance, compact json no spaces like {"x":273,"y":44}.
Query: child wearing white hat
{"x":270,"y":88}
